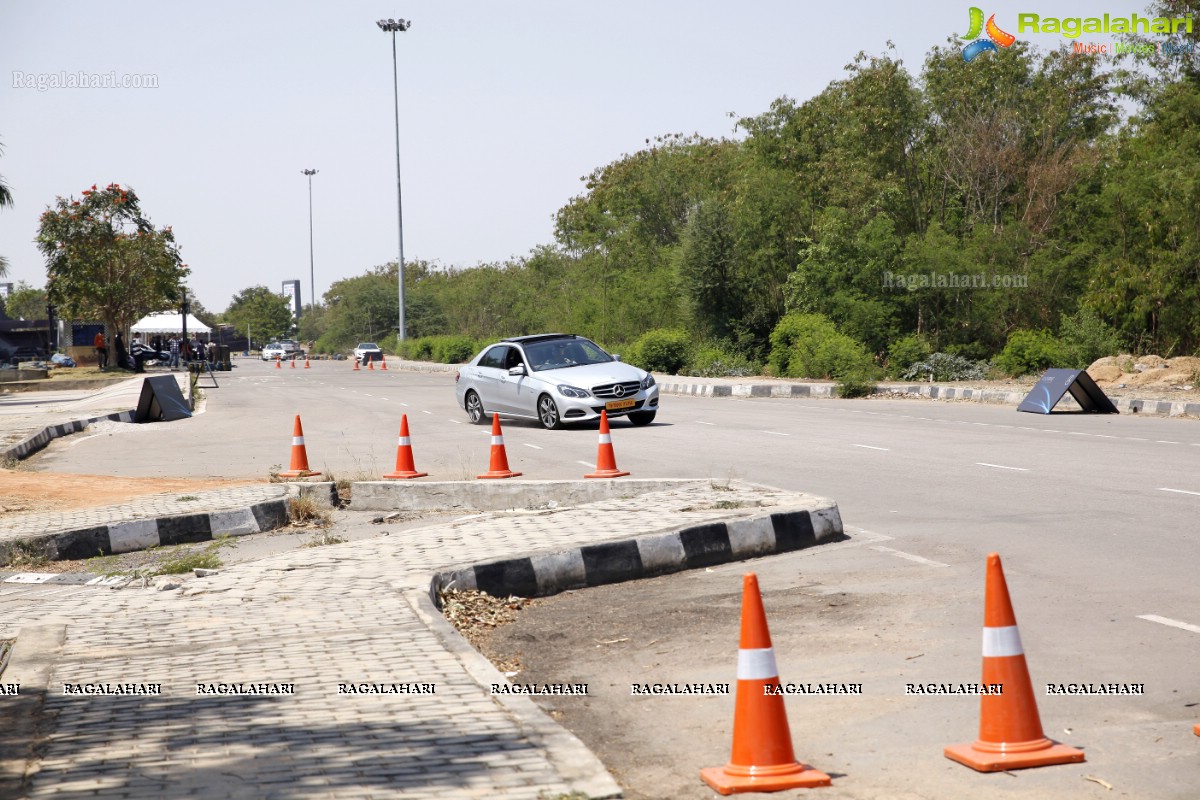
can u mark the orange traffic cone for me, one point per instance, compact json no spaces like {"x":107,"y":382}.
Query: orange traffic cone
{"x":498,"y":468}
{"x":299,"y":466}
{"x":383,"y":363}
{"x":606,"y":462}
{"x":404,"y":457}
{"x":1196,"y":730}
{"x":306,"y":361}
{"x":762,"y":759}
{"x":356,"y":369}
{"x":293,"y":360}
{"x":1010,"y":730}
{"x":277,"y":366}
{"x":371,"y":364}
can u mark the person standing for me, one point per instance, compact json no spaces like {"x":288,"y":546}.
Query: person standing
{"x":101,"y":350}
{"x":173,"y":346}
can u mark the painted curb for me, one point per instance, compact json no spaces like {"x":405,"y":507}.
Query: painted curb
{"x":659,"y":553}
{"x":31,"y":444}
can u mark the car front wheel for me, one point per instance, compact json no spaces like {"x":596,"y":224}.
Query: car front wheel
{"x":642,"y":417}
{"x":475,"y":409}
{"x":548,"y":413}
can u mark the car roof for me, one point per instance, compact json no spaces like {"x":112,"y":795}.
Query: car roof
{"x":540,"y":337}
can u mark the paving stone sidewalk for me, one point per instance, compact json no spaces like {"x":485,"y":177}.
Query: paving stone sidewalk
{"x":352,"y":613}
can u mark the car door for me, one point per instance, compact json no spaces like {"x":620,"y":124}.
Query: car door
{"x":489,"y":374}
{"x":514,"y":392}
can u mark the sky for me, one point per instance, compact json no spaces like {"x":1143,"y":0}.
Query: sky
{"x":503,"y":108}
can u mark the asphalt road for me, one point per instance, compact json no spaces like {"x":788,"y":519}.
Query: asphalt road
{"x":1096,"y":518}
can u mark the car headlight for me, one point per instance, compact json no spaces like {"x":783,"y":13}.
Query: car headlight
{"x":647,"y":381}
{"x":570,"y":391}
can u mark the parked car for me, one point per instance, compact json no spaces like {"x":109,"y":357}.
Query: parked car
{"x":291,"y":348}
{"x":554,"y":378}
{"x":367,"y":351}
{"x":274,"y":352}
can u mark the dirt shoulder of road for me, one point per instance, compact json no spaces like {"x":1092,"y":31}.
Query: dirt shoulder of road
{"x":23,"y":490}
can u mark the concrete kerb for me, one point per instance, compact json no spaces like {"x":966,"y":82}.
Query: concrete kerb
{"x":129,"y":535}
{"x":541,"y":574}
{"x":37,"y":441}
{"x":501,"y":495}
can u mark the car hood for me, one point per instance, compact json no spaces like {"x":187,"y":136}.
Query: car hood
{"x":590,"y":375}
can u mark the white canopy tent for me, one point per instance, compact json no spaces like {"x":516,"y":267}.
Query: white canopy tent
{"x":169,"y":322}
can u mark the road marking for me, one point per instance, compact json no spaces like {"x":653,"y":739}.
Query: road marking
{"x":1174,"y":623}
{"x":1162,"y":441}
{"x":1135,"y":439}
{"x":404,"y":404}
{"x":1179,"y":491}
{"x":777,"y":433}
{"x":457,"y":421}
{"x":1048,"y":430}
{"x":699,"y":422}
{"x":901,"y":554}
{"x":587,"y":464}
{"x":423,"y":411}
{"x":368,"y":394}
{"x":871,"y":447}
{"x":1103,"y":436}
{"x":534,"y":446}
{"x":1000,"y":466}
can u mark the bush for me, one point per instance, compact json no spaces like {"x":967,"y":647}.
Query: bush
{"x":905,"y":352}
{"x":856,"y":384}
{"x":453,"y":349}
{"x":810,"y":346}
{"x":661,"y":350}
{"x":1032,"y":351}
{"x":713,"y":361}
{"x":1087,"y":337}
{"x":946,"y":367}
{"x":419,"y":349}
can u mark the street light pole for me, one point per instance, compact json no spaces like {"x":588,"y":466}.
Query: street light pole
{"x":312,"y":275}
{"x":392,"y":26}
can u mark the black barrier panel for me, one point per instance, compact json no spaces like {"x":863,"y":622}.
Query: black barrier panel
{"x":1056,"y":383}
{"x":161,"y":400}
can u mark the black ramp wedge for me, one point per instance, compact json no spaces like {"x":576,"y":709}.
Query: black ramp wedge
{"x":1056,"y":383}
{"x":161,"y":400}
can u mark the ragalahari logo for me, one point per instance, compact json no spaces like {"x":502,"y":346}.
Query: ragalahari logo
{"x":995,"y":36}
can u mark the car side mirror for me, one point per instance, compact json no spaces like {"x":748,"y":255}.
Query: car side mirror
{"x":519,"y":369}
{"x":616,"y":357}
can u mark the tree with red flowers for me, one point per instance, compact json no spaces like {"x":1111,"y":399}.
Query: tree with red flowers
{"x":104,"y":259}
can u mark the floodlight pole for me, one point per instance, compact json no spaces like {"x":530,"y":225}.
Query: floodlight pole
{"x":312,"y":274}
{"x":392,"y":26}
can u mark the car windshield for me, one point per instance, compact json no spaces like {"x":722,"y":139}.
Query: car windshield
{"x":368,"y":346}
{"x":564,"y":353}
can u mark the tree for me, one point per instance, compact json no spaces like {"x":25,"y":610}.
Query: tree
{"x":260,"y":312}
{"x":26,"y":302}
{"x":105,"y":260}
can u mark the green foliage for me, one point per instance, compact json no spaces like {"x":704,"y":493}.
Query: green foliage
{"x":946,"y":367}
{"x":1087,"y":337}
{"x":453,"y":349}
{"x":1032,"y":351}
{"x":25,"y":302}
{"x":661,"y":350}
{"x":905,"y":352}
{"x":810,"y":346}
{"x":715,"y":361}
{"x":419,"y":349}
{"x":260,"y":311}
{"x":856,"y":383}
{"x":105,"y":260}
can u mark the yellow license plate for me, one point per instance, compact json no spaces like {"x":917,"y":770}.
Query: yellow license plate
{"x":613,"y":405}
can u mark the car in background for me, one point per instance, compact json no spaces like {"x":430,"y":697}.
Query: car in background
{"x":274,"y":352}
{"x":291,"y":347}
{"x":367,"y":351}
{"x":554,"y":378}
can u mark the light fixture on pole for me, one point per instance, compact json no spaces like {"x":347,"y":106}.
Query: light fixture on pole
{"x":392,"y":26}
{"x":312,"y":275}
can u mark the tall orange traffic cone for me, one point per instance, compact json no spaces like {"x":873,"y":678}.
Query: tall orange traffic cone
{"x":356,"y":369}
{"x":299,"y":467}
{"x":498,"y":468}
{"x":606,"y":461}
{"x":1196,"y":730}
{"x":277,"y":366}
{"x":1010,"y":730}
{"x":293,"y":360}
{"x":383,"y":363}
{"x":306,"y":361}
{"x":404,"y":457}
{"x":371,"y":364}
{"x":762,"y":759}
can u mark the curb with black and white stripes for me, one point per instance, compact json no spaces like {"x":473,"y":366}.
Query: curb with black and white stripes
{"x":647,"y":556}
{"x":30,"y":445}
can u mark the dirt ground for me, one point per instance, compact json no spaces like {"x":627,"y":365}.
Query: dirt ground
{"x":26,"y":491}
